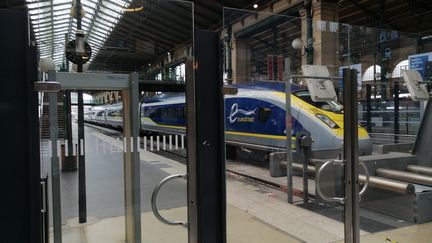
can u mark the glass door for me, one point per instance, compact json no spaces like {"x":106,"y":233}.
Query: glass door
{"x":284,"y":128}
{"x":164,"y":38}
{"x":393,"y":105}
{"x":123,"y":177}
{"x":94,"y":187}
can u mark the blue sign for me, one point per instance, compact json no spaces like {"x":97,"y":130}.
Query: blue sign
{"x":418,"y":62}
{"x":359,"y":75}
{"x":394,"y":35}
{"x":383,"y":36}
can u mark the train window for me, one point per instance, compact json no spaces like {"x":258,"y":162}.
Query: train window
{"x":264,"y":114}
{"x":152,"y":114}
{"x":173,"y":112}
{"x":333,"y":106}
{"x":146,"y":111}
{"x":168,"y":112}
{"x":165,"y":112}
{"x":155,"y":112}
{"x":183,"y":112}
{"x":115,"y":113}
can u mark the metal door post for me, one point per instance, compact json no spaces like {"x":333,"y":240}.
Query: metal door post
{"x":368,"y":107}
{"x":396,"y":112}
{"x":55,"y":170}
{"x":132,"y":161}
{"x":82,"y":197}
{"x":350,"y":152}
{"x":288,"y":128}
{"x":205,"y":147}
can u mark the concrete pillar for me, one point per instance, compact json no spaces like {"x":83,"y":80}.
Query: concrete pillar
{"x":241,"y":70}
{"x":325,"y":34}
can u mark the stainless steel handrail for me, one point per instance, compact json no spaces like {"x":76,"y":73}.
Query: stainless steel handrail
{"x":318,"y":187}
{"x":154,"y":198}
{"x":366,"y":183}
{"x":339,"y":199}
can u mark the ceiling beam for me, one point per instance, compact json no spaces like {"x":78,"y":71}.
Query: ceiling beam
{"x":372,"y":14}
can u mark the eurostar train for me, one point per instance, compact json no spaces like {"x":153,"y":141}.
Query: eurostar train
{"x":255,"y":118}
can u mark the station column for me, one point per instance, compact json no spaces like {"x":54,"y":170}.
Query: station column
{"x":240,"y":61}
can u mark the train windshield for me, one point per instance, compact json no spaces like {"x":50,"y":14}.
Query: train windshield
{"x":332,"y":106}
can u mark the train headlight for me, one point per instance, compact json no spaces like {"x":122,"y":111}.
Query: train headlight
{"x":329,"y":122}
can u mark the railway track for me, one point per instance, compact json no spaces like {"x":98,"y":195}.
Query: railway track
{"x":179,"y":155}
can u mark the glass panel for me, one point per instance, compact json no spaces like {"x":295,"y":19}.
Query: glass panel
{"x":396,"y":206}
{"x":264,"y":54}
{"x":124,"y":39}
{"x":161,"y":44}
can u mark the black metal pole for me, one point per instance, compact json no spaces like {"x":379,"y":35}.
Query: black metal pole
{"x":304,"y":145}
{"x":70,"y":163}
{"x":350,"y":151}
{"x":206,"y":184}
{"x":305,"y":176}
{"x":309,"y":31}
{"x":368,"y":107}
{"x":66,"y":60}
{"x":67,"y":102}
{"x":69,"y":134}
{"x":406,"y":118}
{"x":81,"y":160}
{"x":396,"y":112}
{"x":82,"y":205}
{"x":383,"y":59}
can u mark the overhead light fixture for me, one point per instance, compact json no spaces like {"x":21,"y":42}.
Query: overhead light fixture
{"x":297,"y":43}
{"x":132,"y":10}
{"x":255,"y":6}
{"x":79,"y":42}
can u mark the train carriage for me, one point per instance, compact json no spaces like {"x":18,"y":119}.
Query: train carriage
{"x":255,"y":118}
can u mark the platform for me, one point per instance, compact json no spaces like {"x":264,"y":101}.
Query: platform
{"x":105,"y":199}
{"x":255,"y":212}
{"x":107,"y":230}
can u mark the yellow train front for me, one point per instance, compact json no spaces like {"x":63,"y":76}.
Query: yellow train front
{"x":255,"y":117}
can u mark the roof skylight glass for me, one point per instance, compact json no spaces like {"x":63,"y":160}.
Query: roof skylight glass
{"x":51,"y":20}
